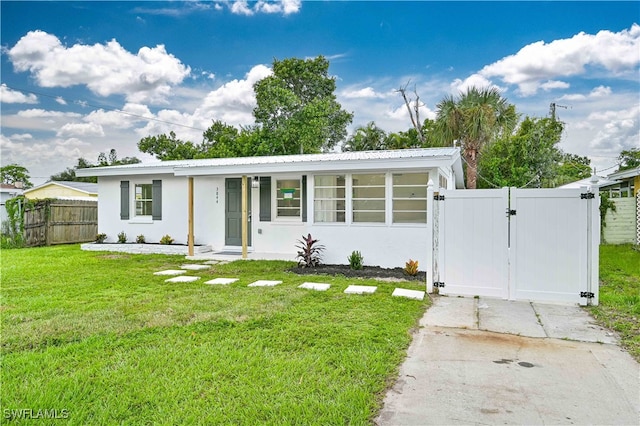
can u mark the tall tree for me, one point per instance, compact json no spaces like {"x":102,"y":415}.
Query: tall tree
{"x":169,"y":147}
{"x":528,"y":158}
{"x":297,"y":109}
{"x":69,"y":174}
{"x":14,"y":174}
{"x":629,"y":159}
{"x":475,"y":118}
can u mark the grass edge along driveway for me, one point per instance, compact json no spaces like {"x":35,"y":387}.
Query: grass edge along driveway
{"x":96,"y":338}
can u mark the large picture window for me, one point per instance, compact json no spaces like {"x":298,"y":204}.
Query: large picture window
{"x":368,"y":192}
{"x":144,"y":199}
{"x":288,"y":198}
{"x":410,"y":197}
{"x":329,"y":198}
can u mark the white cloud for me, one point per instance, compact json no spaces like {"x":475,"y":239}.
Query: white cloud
{"x":233,"y":102}
{"x":286,"y":7}
{"x":474,"y":80}
{"x":9,"y":96}
{"x":554,"y":84}
{"x":125,"y":118}
{"x":598,"y":92}
{"x":61,"y":100}
{"x":21,"y":136}
{"x":41,"y":113}
{"x":538,"y":62}
{"x":106,"y":69}
{"x":366,"y":93}
{"x":80,"y":129}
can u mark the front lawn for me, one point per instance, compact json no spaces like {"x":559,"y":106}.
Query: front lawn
{"x":99,"y":338}
{"x":619,"y":307}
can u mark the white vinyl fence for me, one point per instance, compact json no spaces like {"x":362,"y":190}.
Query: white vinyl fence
{"x":516,"y":244}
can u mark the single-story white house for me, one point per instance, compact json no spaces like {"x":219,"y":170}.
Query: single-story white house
{"x":373,"y":201}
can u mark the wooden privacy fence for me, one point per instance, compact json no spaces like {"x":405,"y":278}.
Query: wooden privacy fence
{"x":60,"y":222}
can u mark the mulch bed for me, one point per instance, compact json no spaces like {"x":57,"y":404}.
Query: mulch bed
{"x":366,"y":272}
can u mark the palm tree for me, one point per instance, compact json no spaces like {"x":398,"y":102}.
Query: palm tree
{"x":367,"y":138}
{"x":475,"y":119}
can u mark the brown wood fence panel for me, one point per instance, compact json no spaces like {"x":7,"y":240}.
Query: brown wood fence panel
{"x":61,"y":222}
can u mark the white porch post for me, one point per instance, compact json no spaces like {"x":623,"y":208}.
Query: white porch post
{"x":429,"y":265}
{"x":244,"y":217}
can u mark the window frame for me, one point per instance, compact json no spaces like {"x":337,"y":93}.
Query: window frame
{"x":399,"y":199}
{"x":142,"y":200}
{"x":275,"y":190}
{"x":335,"y":200}
{"x":354,"y":199}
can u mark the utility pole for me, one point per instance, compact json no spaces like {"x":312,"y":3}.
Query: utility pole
{"x":552,"y":110}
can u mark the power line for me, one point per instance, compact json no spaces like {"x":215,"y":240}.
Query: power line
{"x":119,"y":111}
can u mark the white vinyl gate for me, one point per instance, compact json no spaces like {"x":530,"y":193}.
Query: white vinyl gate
{"x":517,"y":244}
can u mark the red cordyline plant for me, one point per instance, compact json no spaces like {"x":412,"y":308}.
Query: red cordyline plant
{"x":309,"y":252}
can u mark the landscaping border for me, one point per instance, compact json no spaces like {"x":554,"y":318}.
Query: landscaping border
{"x":135,"y":248}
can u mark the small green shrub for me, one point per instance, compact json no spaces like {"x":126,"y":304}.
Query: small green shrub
{"x":122,"y":237}
{"x":411,"y":267}
{"x":309,"y":253}
{"x":355,"y":260}
{"x":166,"y":240}
{"x":101,"y":237}
{"x":140,"y":239}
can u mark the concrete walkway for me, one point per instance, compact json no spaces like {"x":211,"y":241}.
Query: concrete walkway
{"x":488,"y":361}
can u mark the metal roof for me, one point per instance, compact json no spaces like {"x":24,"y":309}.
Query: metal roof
{"x":185,"y":167}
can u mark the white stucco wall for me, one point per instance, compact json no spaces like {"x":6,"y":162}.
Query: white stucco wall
{"x":174,"y":210}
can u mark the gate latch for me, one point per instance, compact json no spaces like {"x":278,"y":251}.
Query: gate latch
{"x":511,"y":212}
{"x":439,"y":284}
{"x":587,"y":294}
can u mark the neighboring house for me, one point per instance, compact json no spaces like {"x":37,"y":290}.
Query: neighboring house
{"x":64,"y":190}
{"x":374,"y":202}
{"x":594,"y":181}
{"x":627,"y":183}
{"x":6,"y":193}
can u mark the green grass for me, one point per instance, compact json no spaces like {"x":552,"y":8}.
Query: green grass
{"x":98,"y":335}
{"x":619,"y":307}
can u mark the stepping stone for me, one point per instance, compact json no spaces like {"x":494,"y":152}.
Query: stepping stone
{"x":216,"y":262}
{"x":195,"y":267}
{"x":182,"y":279}
{"x":264,"y":283}
{"x":171,"y":272}
{"x":361,"y":289}
{"x":411,"y":294}
{"x":222,"y":281}
{"x":315,"y":286}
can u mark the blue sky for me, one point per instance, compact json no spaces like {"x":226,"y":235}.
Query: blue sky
{"x":68,"y":67}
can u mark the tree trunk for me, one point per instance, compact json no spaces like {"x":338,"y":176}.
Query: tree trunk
{"x":471,"y":158}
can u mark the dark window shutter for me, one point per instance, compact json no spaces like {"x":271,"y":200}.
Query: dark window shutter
{"x":265,"y":199}
{"x":156,"y":194}
{"x":303,"y":198}
{"x":124,"y":200}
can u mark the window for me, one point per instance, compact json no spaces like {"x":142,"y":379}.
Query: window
{"x":368,"y":198}
{"x":329,"y":198}
{"x":288,"y":198}
{"x":144,"y":199}
{"x":442,"y":181}
{"x":410,"y":197}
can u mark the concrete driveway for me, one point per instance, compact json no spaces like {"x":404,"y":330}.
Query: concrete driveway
{"x":489,"y":361}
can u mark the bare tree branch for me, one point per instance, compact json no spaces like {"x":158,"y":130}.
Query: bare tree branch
{"x":416,"y":107}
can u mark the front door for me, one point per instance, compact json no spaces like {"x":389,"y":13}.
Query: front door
{"x":233,"y":212}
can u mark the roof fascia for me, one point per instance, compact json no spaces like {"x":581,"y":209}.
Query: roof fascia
{"x":317,"y":166}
